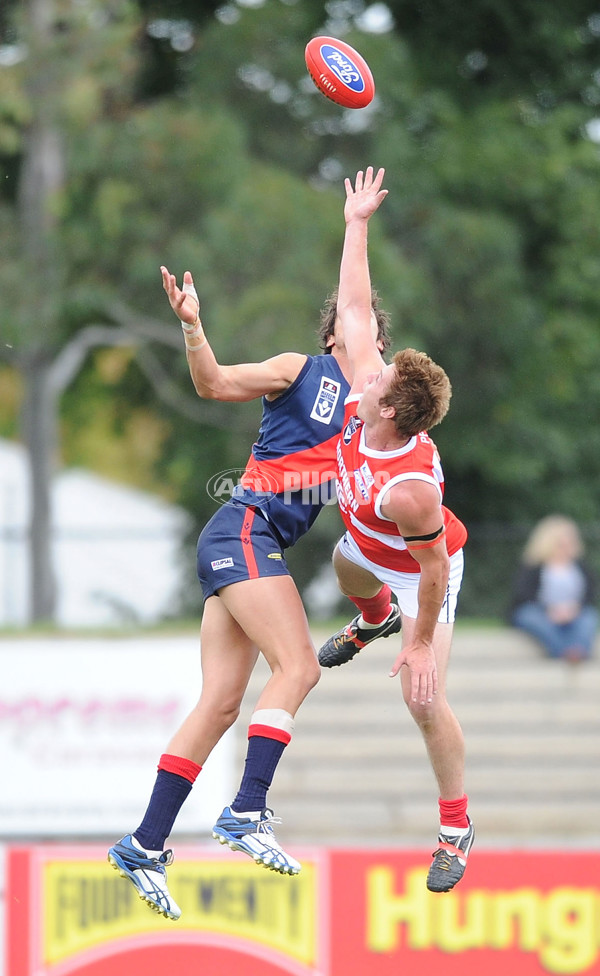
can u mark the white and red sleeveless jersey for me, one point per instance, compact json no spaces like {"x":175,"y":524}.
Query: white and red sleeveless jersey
{"x":364,"y":480}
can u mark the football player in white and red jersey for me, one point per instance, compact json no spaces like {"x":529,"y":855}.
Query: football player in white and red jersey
{"x":399,"y":537}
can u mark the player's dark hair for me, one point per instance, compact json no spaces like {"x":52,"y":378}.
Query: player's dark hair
{"x":329,"y":315}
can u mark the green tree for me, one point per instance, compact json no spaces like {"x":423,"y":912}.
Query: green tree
{"x":34,"y":97}
{"x":488,"y":50}
{"x":109,"y":185}
{"x":65,"y":103}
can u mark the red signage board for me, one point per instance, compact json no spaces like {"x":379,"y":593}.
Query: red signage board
{"x":514,"y":912}
{"x":348,"y":913}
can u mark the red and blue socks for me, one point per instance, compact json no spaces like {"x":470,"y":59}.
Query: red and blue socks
{"x":173,"y":784}
{"x":269,"y":732}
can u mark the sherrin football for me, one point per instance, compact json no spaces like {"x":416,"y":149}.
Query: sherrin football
{"x":339,"y":72}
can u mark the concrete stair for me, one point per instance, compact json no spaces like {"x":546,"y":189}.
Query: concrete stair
{"x":356,"y":771}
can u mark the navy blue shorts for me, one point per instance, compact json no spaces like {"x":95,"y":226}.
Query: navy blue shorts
{"x":238,"y":543}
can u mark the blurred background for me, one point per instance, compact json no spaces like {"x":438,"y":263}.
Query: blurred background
{"x":189,"y":133}
{"x":135,"y":133}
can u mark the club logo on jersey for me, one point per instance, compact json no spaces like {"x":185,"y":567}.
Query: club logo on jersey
{"x":351,"y":427}
{"x":326,"y":400}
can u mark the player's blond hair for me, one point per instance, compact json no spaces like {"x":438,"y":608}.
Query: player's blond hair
{"x":419,"y":392}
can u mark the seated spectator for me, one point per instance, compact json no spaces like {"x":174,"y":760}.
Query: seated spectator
{"x":553,"y":597}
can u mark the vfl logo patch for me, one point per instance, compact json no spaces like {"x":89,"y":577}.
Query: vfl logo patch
{"x":350,"y":428}
{"x":222,"y":563}
{"x":274,"y":555}
{"x":326,"y":401}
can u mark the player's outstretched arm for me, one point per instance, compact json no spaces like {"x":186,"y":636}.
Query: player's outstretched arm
{"x":245,"y":381}
{"x":354,"y":293}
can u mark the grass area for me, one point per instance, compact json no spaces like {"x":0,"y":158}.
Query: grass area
{"x":190,"y":626}
{"x":170,"y":627}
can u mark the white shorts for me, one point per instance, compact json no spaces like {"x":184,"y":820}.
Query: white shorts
{"x":406,"y":585}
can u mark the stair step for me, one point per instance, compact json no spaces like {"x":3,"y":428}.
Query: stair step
{"x":417,"y":780}
{"x":408,"y":821}
{"x":532,"y":731}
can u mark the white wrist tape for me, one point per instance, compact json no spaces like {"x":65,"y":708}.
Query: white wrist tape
{"x":188,"y":289}
{"x":192,"y":330}
{"x":194,"y":348}
{"x":195,"y":330}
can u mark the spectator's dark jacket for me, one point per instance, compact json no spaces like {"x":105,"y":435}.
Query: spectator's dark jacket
{"x":527,"y":585}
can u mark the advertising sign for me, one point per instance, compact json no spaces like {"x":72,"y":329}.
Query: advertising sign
{"x":69,"y":913}
{"x":82,"y":726}
{"x":349,"y":912}
{"x":515,"y":912}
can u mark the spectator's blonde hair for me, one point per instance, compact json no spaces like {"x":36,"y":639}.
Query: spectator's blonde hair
{"x":419,"y":392}
{"x":548,"y":535}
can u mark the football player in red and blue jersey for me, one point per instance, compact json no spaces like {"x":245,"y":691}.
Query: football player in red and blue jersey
{"x":252,"y":605}
{"x":400,"y":538}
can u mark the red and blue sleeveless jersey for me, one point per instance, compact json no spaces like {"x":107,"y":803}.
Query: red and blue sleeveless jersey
{"x":365,"y":476}
{"x":291,"y":471}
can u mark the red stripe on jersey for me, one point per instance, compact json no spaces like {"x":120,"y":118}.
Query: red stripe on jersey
{"x":293,"y":472}
{"x":247,"y":547}
{"x":400,"y":560}
{"x":269,"y":732}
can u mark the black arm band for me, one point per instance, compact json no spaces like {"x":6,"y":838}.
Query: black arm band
{"x":424,"y":538}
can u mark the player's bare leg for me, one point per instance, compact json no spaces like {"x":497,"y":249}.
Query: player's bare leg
{"x":228,"y":657}
{"x":446,"y":750}
{"x":270,"y":612}
{"x":438,"y":724}
{"x":353,"y":580}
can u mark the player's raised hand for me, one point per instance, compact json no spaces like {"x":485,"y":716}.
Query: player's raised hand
{"x":184,"y":301}
{"x":363,"y":199}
